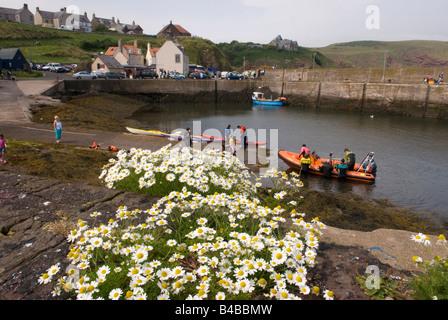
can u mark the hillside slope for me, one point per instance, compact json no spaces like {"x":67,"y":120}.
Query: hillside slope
{"x":47,"y":45}
{"x":399,"y":54}
{"x":260,"y":55}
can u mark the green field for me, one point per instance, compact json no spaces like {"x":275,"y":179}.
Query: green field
{"x":399,"y":54}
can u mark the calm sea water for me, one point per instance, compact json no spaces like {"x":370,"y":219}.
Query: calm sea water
{"x":411,"y":153}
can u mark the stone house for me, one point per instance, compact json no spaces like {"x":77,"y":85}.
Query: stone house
{"x":107,"y":64}
{"x":173,"y":31}
{"x":22,"y":15}
{"x":113,"y":25}
{"x":171,"y":57}
{"x":127,"y":55}
{"x":79,"y":22}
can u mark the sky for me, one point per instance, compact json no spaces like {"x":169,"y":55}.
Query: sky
{"x":315,"y":23}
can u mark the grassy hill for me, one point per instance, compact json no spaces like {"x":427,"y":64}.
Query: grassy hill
{"x":74,"y":47}
{"x":400,"y":54}
{"x":260,"y":55}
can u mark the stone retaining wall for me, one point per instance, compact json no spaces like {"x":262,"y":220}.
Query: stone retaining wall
{"x":416,"y":100}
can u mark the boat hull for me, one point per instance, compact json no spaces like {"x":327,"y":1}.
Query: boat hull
{"x":171,"y":136}
{"x":293,"y":161}
{"x":268,"y":102}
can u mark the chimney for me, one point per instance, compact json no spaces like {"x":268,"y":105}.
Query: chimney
{"x":120,"y":45}
{"x":133,"y":23}
{"x":113,"y":19}
{"x":25,"y":6}
{"x":85,"y":14}
{"x":135,"y":43}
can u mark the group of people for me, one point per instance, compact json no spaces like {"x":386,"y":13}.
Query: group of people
{"x":230,"y":138}
{"x":229,"y":141}
{"x":346,"y":164}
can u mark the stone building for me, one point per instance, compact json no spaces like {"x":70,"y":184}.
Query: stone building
{"x":173,"y":31}
{"x":22,"y":15}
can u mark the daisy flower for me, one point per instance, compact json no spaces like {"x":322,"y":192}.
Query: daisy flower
{"x":115,"y":294}
{"x":328,"y":295}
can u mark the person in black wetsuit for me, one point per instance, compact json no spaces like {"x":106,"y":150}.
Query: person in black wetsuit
{"x":326,"y":169}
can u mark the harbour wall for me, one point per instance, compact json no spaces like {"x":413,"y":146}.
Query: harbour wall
{"x":404,"y":99}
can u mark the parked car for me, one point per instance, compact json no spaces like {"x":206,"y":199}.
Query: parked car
{"x":147,"y":74}
{"x":176,"y":75}
{"x":234,"y":76}
{"x":84,"y":75}
{"x":62,"y":69}
{"x":113,"y":75}
{"x":54,"y":66}
{"x":99,"y":74}
{"x":200,"y":75}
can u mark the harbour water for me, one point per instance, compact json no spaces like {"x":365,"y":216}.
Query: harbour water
{"x":411,"y":153}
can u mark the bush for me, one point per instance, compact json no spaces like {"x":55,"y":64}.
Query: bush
{"x":221,"y":242}
{"x":432,"y":284}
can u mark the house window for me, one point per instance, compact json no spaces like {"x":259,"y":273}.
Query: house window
{"x":177,"y":58}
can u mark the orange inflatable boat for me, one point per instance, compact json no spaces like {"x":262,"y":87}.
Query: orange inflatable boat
{"x":293,"y":161}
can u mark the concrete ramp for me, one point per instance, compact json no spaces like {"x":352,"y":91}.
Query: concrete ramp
{"x":35,"y":87}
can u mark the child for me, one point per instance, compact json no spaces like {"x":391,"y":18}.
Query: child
{"x":2,"y":149}
{"x":232,"y":143}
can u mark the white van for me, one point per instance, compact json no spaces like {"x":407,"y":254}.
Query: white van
{"x":53,"y":66}
{"x":224,"y":74}
{"x":64,"y":27}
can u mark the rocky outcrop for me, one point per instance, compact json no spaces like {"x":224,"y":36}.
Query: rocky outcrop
{"x":285,"y":44}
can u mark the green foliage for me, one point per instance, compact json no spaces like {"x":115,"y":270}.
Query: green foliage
{"x":265,"y":55}
{"x":101,"y":28}
{"x":434,"y":283}
{"x":388,"y":287}
{"x":98,"y":44}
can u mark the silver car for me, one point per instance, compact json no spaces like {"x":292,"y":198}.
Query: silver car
{"x":85,"y":75}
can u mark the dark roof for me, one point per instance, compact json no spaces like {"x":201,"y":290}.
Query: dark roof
{"x":110,"y":62}
{"x":8,"y":54}
{"x":107,"y":22}
{"x":10,"y":11}
{"x":50,"y":15}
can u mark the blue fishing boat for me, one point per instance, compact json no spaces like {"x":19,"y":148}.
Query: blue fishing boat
{"x":259,"y":99}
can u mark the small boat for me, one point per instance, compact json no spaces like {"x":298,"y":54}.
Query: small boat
{"x":221,"y":139}
{"x":358,"y":174}
{"x":172,"y":136}
{"x":146,"y":132}
{"x":259,"y":99}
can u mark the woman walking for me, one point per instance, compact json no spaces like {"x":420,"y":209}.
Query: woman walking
{"x":57,"y":125}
